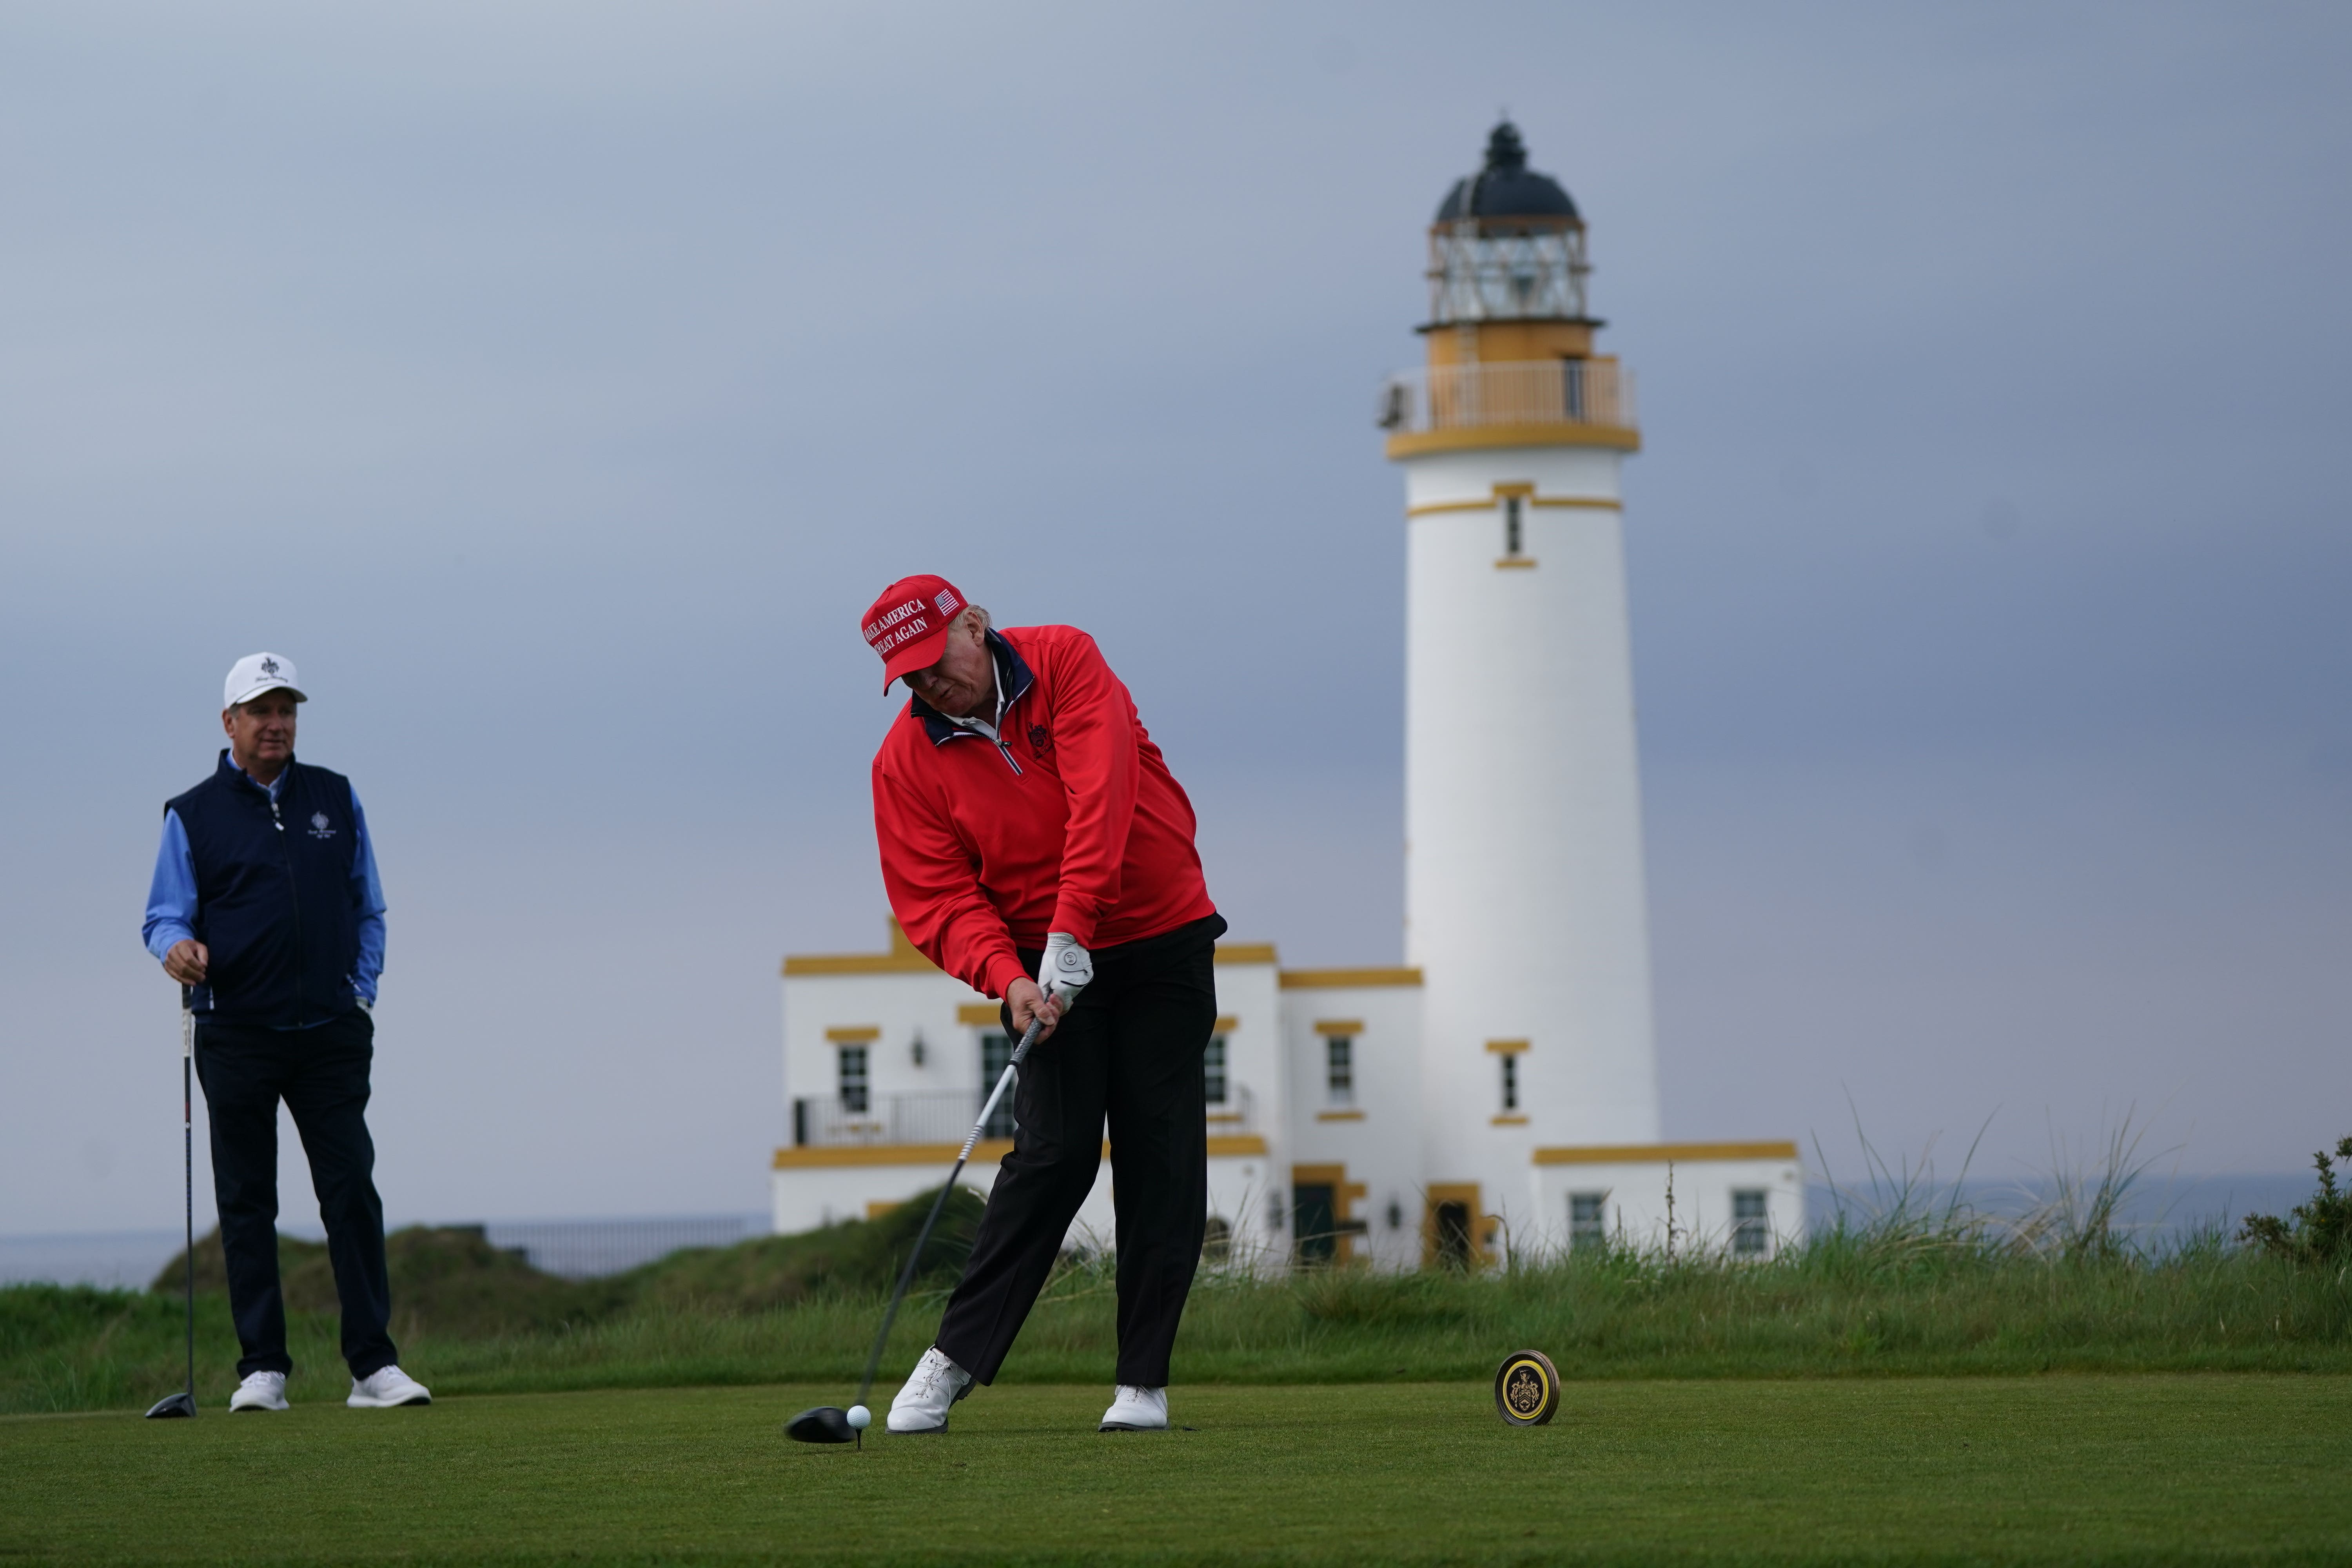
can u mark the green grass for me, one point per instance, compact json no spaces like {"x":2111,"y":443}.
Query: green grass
{"x":1843,"y":1305}
{"x":2149,"y":1470}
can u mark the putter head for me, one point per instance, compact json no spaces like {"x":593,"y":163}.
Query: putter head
{"x":825,"y":1424}
{"x":173,"y":1408}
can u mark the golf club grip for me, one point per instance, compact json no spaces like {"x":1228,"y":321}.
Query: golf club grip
{"x":915,"y":1253}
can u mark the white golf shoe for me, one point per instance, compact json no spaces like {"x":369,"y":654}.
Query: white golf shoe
{"x":922,"y":1404}
{"x":1136,"y":1409}
{"x":383,"y":1389}
{"x":261,"y":1391}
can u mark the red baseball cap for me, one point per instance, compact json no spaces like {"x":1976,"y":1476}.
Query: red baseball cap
{"x":905,"y":623}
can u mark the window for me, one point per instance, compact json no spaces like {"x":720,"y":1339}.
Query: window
{"x":1514,"y":535}
{"x":1510,"y":1080}
{"x":1212,"y":1071}
{"x":995,"y":1050}
{"x":1588,"y":1220}
{"x":853,"y":1097}
{"x":1216,"y":1239}
{"x":1340,"y":1068}
{"x":1751,"y":1231}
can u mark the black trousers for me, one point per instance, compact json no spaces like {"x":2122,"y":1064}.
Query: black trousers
{"x":1130,"y":1050}
{"x":321,"y":1074}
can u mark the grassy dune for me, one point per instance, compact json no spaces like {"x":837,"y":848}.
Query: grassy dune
{"x":1892,"y":1297}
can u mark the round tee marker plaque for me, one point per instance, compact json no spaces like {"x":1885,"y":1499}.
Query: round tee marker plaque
{"x":1527,"y":1389}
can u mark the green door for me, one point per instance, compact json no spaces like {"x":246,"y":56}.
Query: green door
{"x":1315,"y":1215}
{"x":1453,"y":1234}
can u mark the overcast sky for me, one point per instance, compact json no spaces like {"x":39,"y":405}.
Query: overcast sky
{"x":556,"y":384}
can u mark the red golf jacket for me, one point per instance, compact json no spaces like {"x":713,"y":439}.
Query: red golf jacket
{"x":1070,"y":821}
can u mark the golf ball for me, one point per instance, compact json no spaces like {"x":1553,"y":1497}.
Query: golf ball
{"x":860,"y":1417}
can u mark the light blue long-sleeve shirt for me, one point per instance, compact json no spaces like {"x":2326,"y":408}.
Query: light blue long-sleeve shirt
{"x":171,"y":894}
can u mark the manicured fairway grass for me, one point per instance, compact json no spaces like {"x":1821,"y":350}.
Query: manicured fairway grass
{"x":2054,"y":1469}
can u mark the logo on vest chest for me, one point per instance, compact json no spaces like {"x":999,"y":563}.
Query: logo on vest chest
{"x":319,"y":826}
{"x":1041,"y":739}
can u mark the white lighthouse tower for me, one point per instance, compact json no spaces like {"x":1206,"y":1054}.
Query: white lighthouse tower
{"x":1525,"y":904}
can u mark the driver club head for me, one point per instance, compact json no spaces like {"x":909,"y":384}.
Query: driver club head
{"x":175,"y":1408}
{"x":824,"y":1423}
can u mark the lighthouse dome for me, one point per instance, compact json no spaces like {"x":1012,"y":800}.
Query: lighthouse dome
{"x":1507,"y":187}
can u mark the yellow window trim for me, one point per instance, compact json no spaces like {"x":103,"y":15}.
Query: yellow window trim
{"x":1659,"y":1153}
{"x":1244,"y":952}
{"x":1507,"y":1048}
{"x":980,"y":1015}
{"x":1349,"y":1026}
{"x":1504,"y":492}
{"x":1509,"y":1121}
{"x":1345,"y":979}
{"x":852,"y":1034}
{"x":1482,"y":1225}
{"x":1512,"y":562}
{"x":1226,"y":1024}
{"x":1339,"y":1116}
{"x":1234,"y":1145}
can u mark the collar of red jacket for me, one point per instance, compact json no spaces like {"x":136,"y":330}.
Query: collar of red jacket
{"x":1012,"y":677}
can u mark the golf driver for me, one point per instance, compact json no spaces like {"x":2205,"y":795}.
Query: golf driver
{"x":185,"y":1402}
{"x":830,"y":1423}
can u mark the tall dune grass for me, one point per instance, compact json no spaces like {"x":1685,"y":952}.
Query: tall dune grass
{"x":1908,"y":1291}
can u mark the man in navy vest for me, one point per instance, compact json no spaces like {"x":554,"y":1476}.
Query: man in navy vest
{"x":267,"y":909}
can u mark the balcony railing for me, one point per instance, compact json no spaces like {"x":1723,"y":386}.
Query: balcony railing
{"x":832,"y":1121}
{"x":1597,"y":391}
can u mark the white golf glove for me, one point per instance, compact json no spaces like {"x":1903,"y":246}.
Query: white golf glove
{"x":1066,"y":969}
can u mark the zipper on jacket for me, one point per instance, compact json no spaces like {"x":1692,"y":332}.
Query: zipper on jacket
{"x":1008,"y":756}
{"x":293,"y":898}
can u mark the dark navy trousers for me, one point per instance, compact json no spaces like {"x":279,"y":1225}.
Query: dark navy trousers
{"x":321,"y":1074}
{"x":1128,"y":1053}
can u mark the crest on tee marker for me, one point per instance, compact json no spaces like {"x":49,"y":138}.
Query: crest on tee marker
{"x":1527,"y":1389}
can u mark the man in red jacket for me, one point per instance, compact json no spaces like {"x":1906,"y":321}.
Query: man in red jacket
{"x":1029,"y":827}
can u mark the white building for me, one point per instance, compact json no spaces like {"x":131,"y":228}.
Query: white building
{"x":1501,"y":1091}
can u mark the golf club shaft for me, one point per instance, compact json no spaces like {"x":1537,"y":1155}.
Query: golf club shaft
{"x":188,"y":1175}
{"x":914,"y":1257}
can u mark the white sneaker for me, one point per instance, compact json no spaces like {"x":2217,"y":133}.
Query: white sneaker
{"x":1136,"y":1410}
{"x":382,"y":1389}
{"x":261,"y":1391}
{"x":922,"y":1404}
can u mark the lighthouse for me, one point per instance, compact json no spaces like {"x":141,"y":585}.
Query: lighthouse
{"x":1525,"y":902}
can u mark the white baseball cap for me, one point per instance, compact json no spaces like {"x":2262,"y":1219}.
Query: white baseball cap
{"x":256,"y":673}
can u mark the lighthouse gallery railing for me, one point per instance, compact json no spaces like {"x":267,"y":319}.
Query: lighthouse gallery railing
{"x":1533,"y":392}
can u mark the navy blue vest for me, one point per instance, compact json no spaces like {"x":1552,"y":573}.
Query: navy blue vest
{"x":275,"y":907}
